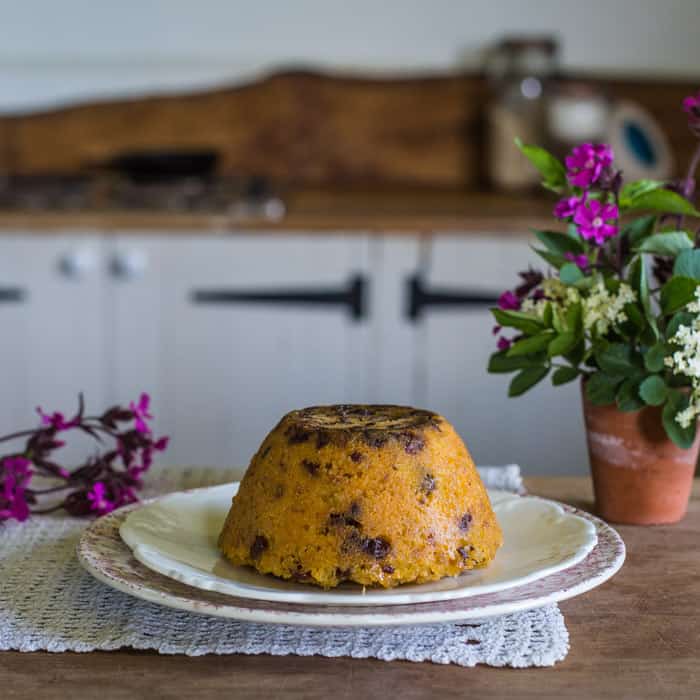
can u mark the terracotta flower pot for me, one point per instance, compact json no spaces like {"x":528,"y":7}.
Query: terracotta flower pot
{"x":640,"y":477}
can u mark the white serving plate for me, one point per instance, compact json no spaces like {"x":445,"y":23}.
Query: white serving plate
{"x":176,"y":536}
{"x":103,"y":553}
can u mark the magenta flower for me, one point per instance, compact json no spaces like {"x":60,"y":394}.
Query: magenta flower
{"x":587,"y":162}
{"x":592,"y":219}
{"x":691,"y":106}
{"x":141,"y":414}
{"x":504,"y":344}
{"x":56,"y":420}
{"x":15,"y":475}
{"x":581,"y":261}
{"x":567,"y":207}
{"x":508,"y":301}
{"x":99,"y":502}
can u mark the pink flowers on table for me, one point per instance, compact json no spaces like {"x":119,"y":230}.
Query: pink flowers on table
{"x":99,"y":502}
{"x":587,"y":162}
{"x":593,"y":220}
{"x":141,"y":414}
{"x":105,"y":481}
{"x":14,"y":477}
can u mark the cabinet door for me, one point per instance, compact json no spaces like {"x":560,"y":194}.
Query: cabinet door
{"x":51,"y":327}
{"x":223,"y":369}
{"x":541,"y":430}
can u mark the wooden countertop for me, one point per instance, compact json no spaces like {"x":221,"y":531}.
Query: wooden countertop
{"x":637,"y":636}
{"x":323,"y":211}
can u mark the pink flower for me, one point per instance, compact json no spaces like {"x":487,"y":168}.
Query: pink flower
{"x":592,"y":220}
{"x":508,"y":301}
{"x":581,"y":261}
{"x":566,"y":208}
{"x":56,"y":420}
{"x":15,"y":475}
{"x":141,"y":414}
{"x":504,"y":344}
{"x":587,"y":162}
{"x":99,"y":502}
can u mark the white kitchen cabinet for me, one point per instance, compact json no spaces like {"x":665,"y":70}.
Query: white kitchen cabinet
{"x":115,"y":315}
{"x":223,"y":370}
{"x":542,"y":430}
{"x":52,"y":344}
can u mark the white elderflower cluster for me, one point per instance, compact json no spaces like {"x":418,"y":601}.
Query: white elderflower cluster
{"x":555,"y":292}
{"x":686,"y":361}
{"x":694,"y":306}
{"x":603,"y":309}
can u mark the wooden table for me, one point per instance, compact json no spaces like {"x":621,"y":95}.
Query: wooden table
{"x":637,"y":636}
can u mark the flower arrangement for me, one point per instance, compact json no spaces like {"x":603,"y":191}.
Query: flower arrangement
{"x":620,"y":303}
{"x":105,"y":481}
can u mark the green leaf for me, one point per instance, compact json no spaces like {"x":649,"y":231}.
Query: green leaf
{"x":635,"y":189}
{"x":547,"y":315}
{"x":526,"y":379}
{"x":688,"y":264}
{"x":639,"y":229}
{"x":664,"y":201}
{"x":671,"y":243}
{"x":635,"y":315}
{"x":500,"y":363}
{"x":627,"y":397}
{"x":559,"y":243}
{"x":570,"y":273}
{"x":551,"y":168}
{"x":601,"y":389}
{"x":653,"y":390}
{"x":554,"y":260}
{"x":527,"y":323}
{"x":574,"y":318}
{"x":676,"y":293}
{"x":654,"y":357}
{"x":683,"y":437}
{"x":682,"y":318}
{"x":564,"y":375}
{"x":616,"y":360}
{"x":638,"y":281}
{"x":575,"y":356}
{"x":534,"y":343}
{"x":563,"y":343}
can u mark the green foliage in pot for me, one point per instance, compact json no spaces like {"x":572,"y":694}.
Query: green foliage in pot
{"x":620,"y":301}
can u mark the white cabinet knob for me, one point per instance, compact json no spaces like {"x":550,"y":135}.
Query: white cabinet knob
{"x":76,"y":264}
{"x":128,"y":264}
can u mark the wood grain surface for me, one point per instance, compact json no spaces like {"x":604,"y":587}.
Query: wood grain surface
{"x":308,"y":128}
{"x":637,"y":636}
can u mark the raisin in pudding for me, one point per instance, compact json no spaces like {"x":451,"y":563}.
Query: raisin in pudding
{"x":372,"y":494}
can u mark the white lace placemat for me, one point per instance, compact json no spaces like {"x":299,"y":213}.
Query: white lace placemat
{"x":47,"y":602}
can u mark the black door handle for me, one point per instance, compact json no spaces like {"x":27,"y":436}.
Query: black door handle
{"x":11,"y":294}
{"x":353,"y":296}
{"x":420,"y":297}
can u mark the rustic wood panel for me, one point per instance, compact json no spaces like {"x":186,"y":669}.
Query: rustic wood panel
{"x":304,"y":128}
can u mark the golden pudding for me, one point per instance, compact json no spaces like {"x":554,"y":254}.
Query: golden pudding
{"x":378,"y":495}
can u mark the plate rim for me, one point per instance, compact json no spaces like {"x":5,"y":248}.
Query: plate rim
{"x":140,"y":582}
{"x":185,"y":573}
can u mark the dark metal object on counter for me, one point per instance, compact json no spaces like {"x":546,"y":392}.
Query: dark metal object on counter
{"x":353,"y":296}
{"x":155,"y":165}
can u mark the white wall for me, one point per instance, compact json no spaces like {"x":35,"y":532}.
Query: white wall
{"x":62,"y":50}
